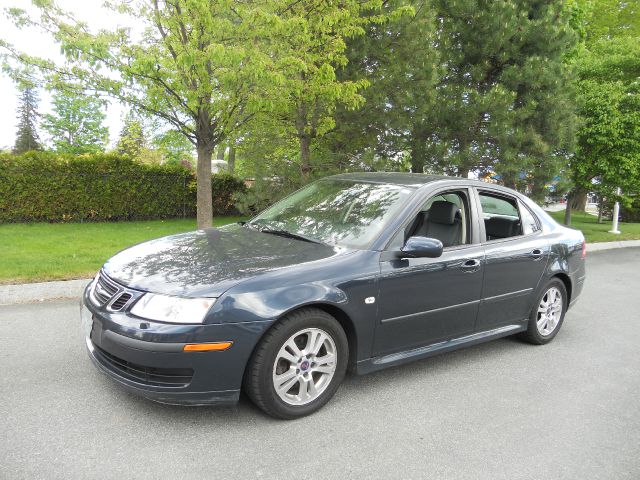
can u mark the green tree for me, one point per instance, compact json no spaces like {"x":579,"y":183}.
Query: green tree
{"x":310,"y":42}
{"x":503,"y":101}
{"x":198,"y":66}
{"x":607,"y":66}
{"x":132,"y":139}
{"x":607,"y":19}
{"x":174,"y":147}
{"x":27,"y":136}
{"x":401,"y":61}
{"x":466,"y":85}
{"x":76,"y":124}
{"x":607,"y":156}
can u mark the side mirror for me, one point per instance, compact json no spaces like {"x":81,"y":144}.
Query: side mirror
{"x":422,"y":247}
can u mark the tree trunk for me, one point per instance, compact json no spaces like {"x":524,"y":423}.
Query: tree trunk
{"x":204,"y":200}
{"x":232,"y":159}
{"x":567,"y":213}
{"x":463,"y":172}
{"x":509,"y":180}
{"x":600,"y":208}
{"x":538,"y":191}
{"x":305,"y":155}
{"x":417,"y":161}
{"x":221,"y":150}
{"x":578,"y":199}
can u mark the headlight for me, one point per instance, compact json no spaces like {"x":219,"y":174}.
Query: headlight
{"x":172,"y":309}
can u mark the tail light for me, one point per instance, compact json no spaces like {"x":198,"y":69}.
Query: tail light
{"x":584,"y":249}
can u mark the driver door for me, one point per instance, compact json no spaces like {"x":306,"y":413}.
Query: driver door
{"x":428,"y":300}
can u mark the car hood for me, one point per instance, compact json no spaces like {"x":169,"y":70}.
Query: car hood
{"x":209,"y":262}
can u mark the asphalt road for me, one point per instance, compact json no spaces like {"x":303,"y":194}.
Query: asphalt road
{"x":502,"y":410}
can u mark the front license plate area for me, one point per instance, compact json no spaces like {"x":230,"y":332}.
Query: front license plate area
{"x":86,"y":319}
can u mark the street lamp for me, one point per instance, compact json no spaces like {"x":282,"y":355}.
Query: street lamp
{"x":616,"y":213}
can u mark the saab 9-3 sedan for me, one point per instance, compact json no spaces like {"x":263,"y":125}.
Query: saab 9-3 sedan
{"x":353,"y":272}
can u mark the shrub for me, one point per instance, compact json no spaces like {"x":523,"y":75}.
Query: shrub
{"x":42,"y":186}
{"x":631,"y":212}
{"x":261,"y":194}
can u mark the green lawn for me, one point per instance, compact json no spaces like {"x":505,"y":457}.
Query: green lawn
{"x":57,"y":251}
{"x":598,"y":232}
{"x":53,"y":251}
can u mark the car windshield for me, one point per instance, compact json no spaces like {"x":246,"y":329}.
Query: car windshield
{"x":338,"y":212}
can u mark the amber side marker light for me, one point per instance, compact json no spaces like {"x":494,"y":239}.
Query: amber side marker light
{"x":207,"y":347}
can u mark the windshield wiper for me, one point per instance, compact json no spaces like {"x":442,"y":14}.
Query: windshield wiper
{"x":287,"y":234}
{"x":250,"y":225}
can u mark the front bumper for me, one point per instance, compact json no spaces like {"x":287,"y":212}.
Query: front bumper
{"x":168,"y":395}
{"x":147,"y":358}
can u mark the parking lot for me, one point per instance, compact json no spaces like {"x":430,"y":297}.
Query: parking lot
{"x":502,"y":410}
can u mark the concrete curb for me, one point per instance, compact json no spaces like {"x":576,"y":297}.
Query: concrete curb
{"x":596,"y":247}
{"x":41,"y":292}
{"x":69,"y":289}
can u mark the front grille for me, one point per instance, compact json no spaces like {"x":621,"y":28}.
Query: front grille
{"x":121,"y":301}
{"x":153,"y":376}
{"x":104,"y":289}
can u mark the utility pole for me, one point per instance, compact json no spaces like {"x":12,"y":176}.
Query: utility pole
{"x":616,"y":213}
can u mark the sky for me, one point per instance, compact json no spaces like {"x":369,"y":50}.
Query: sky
{"x":38,"y":44}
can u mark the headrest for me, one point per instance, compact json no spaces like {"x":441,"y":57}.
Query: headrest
{"x":501,"y":227}
{"x":443,"y":212}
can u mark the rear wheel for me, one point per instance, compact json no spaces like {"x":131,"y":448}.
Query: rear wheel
{"x":298,"y":365}
{"x":548,"y":313}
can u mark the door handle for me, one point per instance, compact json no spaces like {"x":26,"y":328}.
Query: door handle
{"x":470,"y":266}
{"x":537,"y":254}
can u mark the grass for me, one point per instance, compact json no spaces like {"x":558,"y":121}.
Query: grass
{"x":598,"y":232}
{"x":36,"y":252}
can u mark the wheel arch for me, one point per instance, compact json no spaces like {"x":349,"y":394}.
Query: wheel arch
{"x":347,"y":325}
{"x":336,"y":312}
{"x":567,"y":283}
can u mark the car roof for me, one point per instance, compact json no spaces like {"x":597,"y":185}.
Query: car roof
{"x":393,"y":178}
{"x":412,"y":179}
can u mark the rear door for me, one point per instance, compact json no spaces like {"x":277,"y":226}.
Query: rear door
{"x":516,"y":255}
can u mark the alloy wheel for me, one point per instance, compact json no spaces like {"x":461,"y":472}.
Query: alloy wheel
{"x":549,"y":312}
{"x":304,"y":366}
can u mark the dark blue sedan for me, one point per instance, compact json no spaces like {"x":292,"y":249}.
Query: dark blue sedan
{"x":355,"y":271}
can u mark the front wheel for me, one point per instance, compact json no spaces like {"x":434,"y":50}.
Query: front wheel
{"x":298,"y":365}
{"x":547,"y":314}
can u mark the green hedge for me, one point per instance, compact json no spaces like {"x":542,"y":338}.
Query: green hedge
{"x":42,"y":186}
{"x":631,"y":212}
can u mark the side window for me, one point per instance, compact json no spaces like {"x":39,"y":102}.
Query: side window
{"x":529,"y":223}
{"x":501,"y":217}
{"x":496,"y":206}
{"x":444,"y":216}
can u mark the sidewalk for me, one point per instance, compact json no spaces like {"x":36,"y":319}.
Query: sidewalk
{"x":69,"y":289}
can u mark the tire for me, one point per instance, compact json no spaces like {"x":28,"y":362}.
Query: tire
{"x":285,"y":357}
{"x":542,"y":330}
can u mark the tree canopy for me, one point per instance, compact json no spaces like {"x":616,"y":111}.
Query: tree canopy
{"x":132,"y":139}
{"x":608,"y":152}
{"x":76,"y":124}
{"x":607,"y":66}
{"x":521,"y":90}
{"x":207,"y":67}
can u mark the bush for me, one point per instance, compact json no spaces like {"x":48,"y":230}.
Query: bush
{"x":262,"y":194}
{"x":631,"y":212}
{"x":42,"y":186}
